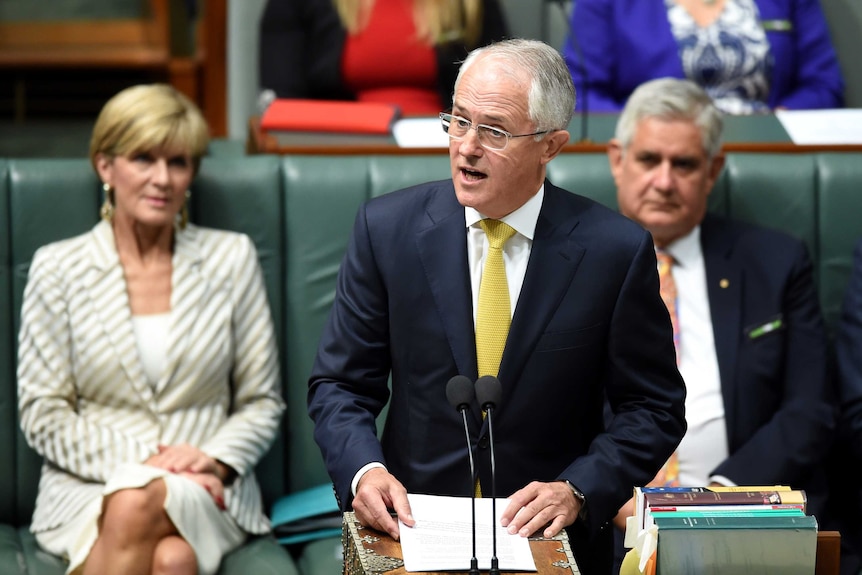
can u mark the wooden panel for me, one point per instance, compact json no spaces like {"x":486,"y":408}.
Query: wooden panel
{"x":828,"y":553}
{"x":22,"y":35}
{"x":39,"y":47}
{"x":213,"y":45}
{"x":141,"y":42}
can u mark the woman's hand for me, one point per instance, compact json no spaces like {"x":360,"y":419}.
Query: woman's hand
{"x":184,"y":458}
{"x":211,"y":483}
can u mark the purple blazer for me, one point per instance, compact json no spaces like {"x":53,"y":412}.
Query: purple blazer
{"x":627,"y":42}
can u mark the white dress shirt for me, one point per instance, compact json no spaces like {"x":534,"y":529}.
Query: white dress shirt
{"x":151,"y":336}
{"x":704,"y":445}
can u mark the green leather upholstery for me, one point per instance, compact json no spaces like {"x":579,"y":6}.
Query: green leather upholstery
{"x":10,"y":547}
{"x":41,"y":208}
{"x":299,"y":211}
{"x":839,"y":224}
{"x":318,"y":215}
{"x":48,"y":200}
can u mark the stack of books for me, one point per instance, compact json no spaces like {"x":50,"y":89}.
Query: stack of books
{"x":743,"y":530}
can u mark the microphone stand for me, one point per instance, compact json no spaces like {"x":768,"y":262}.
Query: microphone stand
{"x":489,"y":392}
{"x":460,"y":392}
{"x":495,"y":563}
{"x":474,"y":562}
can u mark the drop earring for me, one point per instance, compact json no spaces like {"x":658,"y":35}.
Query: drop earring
{"x":184,"y":211}
{"x":107,"y":209}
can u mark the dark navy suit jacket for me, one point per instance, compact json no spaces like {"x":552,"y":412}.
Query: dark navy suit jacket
{"x":778,"y":400}
{"x":846,"y":494}
{"x":588,"y":322}
{"x":627,"y":42}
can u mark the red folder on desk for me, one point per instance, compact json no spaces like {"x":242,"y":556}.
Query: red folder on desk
{"x":329,"y":116}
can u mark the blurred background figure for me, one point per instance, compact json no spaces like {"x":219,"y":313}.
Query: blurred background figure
{"x":751,"y":342}
{"x":148,"y":374}
{"x":403,"y":52}
{"x":751,"y":56}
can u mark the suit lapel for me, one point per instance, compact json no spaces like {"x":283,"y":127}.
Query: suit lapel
{"x":189,"y":295}
{"x":110,"y":298}
{"x":554,"y":258}
{"x":442,"y":245}
{"x":724,"y":281}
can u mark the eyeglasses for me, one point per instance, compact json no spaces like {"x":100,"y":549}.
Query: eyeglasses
{"x":490,"y":137}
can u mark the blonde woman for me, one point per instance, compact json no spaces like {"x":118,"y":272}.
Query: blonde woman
{"x":404,"y":52}
{"x":147,"y":368}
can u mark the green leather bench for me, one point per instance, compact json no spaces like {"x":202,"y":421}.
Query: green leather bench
{"x":299,"y":211}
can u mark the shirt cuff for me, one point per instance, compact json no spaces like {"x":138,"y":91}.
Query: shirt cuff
{"x":361,"y":472}
{"x":721,"y":479}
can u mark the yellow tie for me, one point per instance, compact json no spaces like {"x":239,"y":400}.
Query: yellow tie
{"x":493,"y":315}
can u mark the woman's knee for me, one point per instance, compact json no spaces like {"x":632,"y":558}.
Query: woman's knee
{"x":140,"y":510}
{"x":174,"y":556}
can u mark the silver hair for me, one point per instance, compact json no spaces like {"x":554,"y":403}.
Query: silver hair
{"x":551,"y":99}
{"x":672,"y":99}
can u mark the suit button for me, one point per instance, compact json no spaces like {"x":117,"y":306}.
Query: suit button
{"x":483,"y":442}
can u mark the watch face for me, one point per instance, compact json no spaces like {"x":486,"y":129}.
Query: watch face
{"x":578,"y":493}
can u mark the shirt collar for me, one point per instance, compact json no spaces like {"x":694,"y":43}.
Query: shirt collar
{"x":686,"y":250}
{"x":523,"y":220}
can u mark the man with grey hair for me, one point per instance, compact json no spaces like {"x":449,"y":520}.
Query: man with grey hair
{"x":497,"y":272}
{"x":748,"y":329}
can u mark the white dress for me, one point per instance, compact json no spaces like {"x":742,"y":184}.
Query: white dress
{"x":212,"y":533}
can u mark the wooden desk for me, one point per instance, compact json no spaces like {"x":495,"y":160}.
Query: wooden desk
{"x":828,"y":553}
{"x":740,"y":137}
{"x":367,"y":552}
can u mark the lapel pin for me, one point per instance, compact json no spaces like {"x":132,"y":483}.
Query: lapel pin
{"x":724,"y":283}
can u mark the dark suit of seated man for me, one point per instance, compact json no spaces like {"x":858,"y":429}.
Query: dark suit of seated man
{"x":586,"y":323}
{"x":846,"y":488}
{"x":751,"y":339}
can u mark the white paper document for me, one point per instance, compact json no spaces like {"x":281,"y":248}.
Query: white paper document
{"x":442,"y":539}
{"x":420,"y":133}
{"x":843,"y":126}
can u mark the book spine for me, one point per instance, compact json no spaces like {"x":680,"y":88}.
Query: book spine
{"x":725,"y":508}
{"x":737,"y":522}
{"x":773,"y":497}
{"x":714,"y":488}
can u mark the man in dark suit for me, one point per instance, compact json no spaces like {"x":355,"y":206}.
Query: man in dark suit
{"x":752,"y":345}
{"x":846,"y":488}
{"x":587,"y":323}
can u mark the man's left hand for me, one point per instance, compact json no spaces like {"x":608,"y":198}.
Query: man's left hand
{"x":551,"y":506}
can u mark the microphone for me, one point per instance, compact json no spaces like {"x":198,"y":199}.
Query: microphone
{"x":460,"y":393}
{"x":582,"y":68}
{"x":488,"y":393}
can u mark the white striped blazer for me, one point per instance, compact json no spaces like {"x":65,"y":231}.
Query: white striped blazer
{"x":84,"y":401}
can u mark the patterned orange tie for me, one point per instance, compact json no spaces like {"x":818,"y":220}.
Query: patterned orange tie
{"x":667,"y":288}
{"x":493,"y":313}
{"x":669,"y":475}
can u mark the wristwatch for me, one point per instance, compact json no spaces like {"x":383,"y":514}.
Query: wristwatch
{"x":579,"y":495}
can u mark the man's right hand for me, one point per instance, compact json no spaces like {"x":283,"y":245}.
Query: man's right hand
{"x":376,"y":494}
